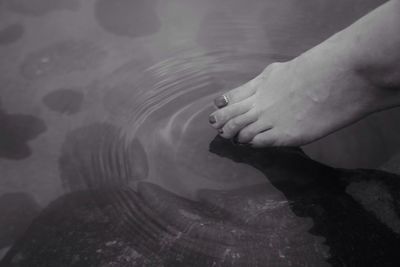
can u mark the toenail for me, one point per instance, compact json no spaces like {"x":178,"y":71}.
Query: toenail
{"x":221,"y":101}
{"x":212,"y":119}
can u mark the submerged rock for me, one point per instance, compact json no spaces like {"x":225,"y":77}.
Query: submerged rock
{"x":311,"y":220}
{"x":74,"y":231}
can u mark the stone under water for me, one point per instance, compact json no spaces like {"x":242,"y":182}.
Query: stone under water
{"x":305,"y":224}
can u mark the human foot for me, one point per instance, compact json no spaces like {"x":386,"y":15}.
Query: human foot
{"x":297,"y":102}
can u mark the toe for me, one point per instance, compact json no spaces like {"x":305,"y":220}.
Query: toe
{"x":233,"y":126}
{"x":220,"y":117}
{"x":265,"y":139}
{"x":234,"y":96}
{"x":250,"y":131}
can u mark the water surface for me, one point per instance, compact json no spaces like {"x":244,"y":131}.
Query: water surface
{"x":105,"y":107}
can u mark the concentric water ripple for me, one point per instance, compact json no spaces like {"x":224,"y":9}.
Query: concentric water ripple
{"x":166,"y":107}
{"x":165,"y":140}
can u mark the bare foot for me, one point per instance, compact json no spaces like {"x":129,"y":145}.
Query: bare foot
{"x":297,"y":102}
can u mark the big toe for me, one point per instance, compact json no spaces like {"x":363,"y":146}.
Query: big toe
{"x":236,"y":95}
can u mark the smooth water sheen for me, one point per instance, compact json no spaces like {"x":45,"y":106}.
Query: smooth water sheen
{"x":108,"y":159}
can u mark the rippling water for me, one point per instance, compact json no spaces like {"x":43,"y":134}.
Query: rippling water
{"x":168,"y":114}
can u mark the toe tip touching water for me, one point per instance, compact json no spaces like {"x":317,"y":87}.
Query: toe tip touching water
{"x":350,"y":75}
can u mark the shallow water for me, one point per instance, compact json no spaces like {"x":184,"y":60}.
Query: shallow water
{"x":104,"y":110}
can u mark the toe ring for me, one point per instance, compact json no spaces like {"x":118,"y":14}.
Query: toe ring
{"x":221,"y":101}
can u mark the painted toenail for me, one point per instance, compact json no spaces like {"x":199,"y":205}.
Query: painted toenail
{"x":212,"y":119}
{"x":221,"y":101}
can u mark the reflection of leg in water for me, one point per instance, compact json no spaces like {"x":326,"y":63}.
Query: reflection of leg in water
{"x":322,"y":193}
